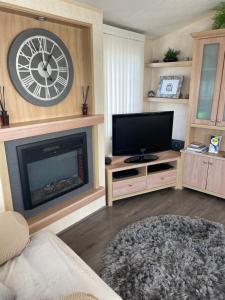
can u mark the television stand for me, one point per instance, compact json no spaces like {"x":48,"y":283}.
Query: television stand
{"x":141,"y":159}
{"x":148,"y":176}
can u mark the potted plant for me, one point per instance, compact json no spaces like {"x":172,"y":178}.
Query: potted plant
{"x":171,"y":55}
{"x":219,"y":18}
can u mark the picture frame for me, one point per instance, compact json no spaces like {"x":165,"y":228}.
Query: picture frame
{"x":170,"y":87}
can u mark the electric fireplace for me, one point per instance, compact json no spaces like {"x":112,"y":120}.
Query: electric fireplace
{"x":51,"y":168}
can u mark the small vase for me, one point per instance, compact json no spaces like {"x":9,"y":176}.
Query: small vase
{"x":5,"y":118}
{"x":84,"y":109}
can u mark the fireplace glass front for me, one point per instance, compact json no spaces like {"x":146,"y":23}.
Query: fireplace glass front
{"x":51,"y":168}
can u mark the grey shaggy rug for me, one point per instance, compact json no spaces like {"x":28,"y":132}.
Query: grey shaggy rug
{"x":167,"y":257}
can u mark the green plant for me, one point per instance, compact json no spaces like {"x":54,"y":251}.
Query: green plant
{"x":219,"y":17}
{"x":171,"y":54}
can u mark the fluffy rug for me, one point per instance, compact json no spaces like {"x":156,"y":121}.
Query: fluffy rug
{"x":167,"y":257}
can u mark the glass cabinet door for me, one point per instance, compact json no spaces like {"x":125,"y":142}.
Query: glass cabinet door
{"x":208,"y":74}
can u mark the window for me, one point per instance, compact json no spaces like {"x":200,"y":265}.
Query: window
{"x":123,"y":71}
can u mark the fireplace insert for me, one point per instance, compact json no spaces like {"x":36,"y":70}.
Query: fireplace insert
{"x":52,"y":168}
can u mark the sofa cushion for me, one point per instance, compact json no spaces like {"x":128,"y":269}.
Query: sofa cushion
{"x":6,"y":293}
{"x":51,"y":270}
{"x":14,"y":235}
{"x":79,"y":296}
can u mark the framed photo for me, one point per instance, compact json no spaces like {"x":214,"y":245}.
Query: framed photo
{"x":170,"y":86}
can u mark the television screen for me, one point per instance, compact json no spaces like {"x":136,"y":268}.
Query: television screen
{"x":135,"y":134}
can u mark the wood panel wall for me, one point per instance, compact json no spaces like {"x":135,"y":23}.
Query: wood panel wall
{"x":78,"y":41}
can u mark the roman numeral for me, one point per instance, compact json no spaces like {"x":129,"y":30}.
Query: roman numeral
{"x":62,"y":81}
{"x":27,"y":81}
{"x":57,"y":59}
{"x":63,"y":69}
{"x":47,"y":94}
{"x":32,"y":47}
{"x":23,"y":67}
{"x":28,"y":58}
{"x":42,"y":44}
{"x":56,"y":90}
{"x":37,"y":90}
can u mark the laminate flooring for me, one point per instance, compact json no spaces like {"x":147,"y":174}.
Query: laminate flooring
{"x":90,"y":237}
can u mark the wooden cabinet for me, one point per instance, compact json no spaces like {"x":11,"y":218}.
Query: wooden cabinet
{"x":216,"y":176}
{"x":161,"y":179}
{"x":204,"y":172}
{"x":129,"y":186}
{"x":208,"y":68}
{"x":195,"y":170}
{"x":159,"y":174}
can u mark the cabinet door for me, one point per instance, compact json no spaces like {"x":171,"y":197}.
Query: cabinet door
{"x":216,"y":176}
{"x":195,"y":169}
{"x":207,"y":77}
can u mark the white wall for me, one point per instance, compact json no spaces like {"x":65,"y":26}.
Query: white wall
{"x":155,"y":49}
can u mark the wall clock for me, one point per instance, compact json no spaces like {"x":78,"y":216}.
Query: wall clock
{"x":40,"y":67}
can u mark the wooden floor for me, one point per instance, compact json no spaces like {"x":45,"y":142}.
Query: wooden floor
{"x":90,"y":237}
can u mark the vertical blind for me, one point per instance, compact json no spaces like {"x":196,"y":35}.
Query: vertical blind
{"x":123,"y":72}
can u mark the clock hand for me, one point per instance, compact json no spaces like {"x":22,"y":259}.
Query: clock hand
{"x":49,"y":76}
{"x":45,"y":66}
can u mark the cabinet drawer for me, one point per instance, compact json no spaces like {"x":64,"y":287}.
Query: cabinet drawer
{"x":129,"y":186}
{"x":161,"y":178}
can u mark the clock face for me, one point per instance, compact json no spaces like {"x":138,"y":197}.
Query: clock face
{"x":40,"y":67}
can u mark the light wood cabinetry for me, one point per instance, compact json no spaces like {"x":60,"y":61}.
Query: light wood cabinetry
{"x":208,"y":92}
{"x":129,"y":186}
{"x":204,"y":172}
{"x":195,"y":170}
{"x":161,"y":178}
{"x":216,"y":171}
{"x":146,"y":180}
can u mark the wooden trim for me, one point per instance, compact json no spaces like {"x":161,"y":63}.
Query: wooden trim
{"x":207,"y":127}
{"x":175,"y":64}
{"x":221,"y":107}
{"x":208,"y":34}
{"x":61,"y":210}
{"x":166,"y":100}
{"x":165,"y":156}
{"x":4,"y":179}
{"x":28,"y":129}
{"x":220,"y":155}
{"x":203,"y":191}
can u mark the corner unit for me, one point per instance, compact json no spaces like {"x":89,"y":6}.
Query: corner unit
{"x":205,"y":172}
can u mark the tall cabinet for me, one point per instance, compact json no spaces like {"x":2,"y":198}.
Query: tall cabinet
{"x":206,"y":172}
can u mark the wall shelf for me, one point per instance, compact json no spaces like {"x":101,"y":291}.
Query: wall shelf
{"x":213,"y":127}
{"x":34,"y":128}
{"x":166,"y":100}
{"x":174,"y":64}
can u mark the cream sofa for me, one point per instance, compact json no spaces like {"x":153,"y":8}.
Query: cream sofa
{"x":48,"y":269}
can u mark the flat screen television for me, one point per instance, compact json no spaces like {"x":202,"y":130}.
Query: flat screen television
{"x":142,"y":133}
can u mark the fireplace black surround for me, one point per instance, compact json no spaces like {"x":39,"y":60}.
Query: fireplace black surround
{"x":51,"y":168}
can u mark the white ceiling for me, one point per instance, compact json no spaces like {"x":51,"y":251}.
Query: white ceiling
{"x":152,"y":17}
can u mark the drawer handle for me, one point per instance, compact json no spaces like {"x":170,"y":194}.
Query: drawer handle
{"x":210,"y":163}
{"x":205,"y":162}
{"x":130,"y":185}
{"x":162,"y":178}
